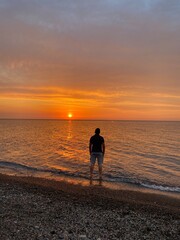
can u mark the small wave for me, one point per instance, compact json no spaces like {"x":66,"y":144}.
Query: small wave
{"x":161,"y":188}
{"x":122,"y":179}
{"x":146,"y":184}
{"x":107,"y":176}
{"x":18,"y":166}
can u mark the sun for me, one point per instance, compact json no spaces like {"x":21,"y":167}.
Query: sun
{"x":70,"y":115}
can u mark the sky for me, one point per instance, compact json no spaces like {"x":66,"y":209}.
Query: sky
{"x":98,"y":59}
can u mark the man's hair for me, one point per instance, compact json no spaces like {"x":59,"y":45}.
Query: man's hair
{"x":97,"y":131}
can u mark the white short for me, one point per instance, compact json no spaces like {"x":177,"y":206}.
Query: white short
{"x":96,"y":155}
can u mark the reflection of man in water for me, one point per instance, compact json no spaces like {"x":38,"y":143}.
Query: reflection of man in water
{"x":96,"y":150}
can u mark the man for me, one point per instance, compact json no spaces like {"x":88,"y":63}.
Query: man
{"x":97,"y":151}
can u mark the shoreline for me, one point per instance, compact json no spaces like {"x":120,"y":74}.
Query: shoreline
{"x":111,"y":185}
{"x":37,"y":208}
{"x":134,"y":197}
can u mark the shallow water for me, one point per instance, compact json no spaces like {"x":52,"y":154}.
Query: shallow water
{"x":140,"y":153}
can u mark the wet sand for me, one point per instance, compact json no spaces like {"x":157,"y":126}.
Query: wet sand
{"x":35,"y":208}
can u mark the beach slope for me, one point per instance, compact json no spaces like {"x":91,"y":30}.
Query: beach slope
{"x":34,"y":208}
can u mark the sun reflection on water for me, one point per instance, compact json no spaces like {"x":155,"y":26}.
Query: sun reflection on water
{"x":69,"y":130}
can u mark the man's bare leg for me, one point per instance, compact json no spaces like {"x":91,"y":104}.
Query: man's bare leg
{"x":100,"y":171}
{"x":91,"y":170}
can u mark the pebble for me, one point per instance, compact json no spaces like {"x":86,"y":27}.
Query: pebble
{"x":29,"y":215}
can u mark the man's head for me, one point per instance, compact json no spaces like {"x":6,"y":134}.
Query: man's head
{"x":97,"y":131}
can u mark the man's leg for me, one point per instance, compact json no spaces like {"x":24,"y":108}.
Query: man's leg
{"x":100,"y":171}
{"x":100,"y":163}
{"x":92,"y":163}
{"x":91,"y":170}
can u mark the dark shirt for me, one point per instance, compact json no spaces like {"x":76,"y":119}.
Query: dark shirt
{"x":97,"y":142}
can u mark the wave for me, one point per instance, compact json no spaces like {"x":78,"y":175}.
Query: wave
{"x":107,"y":176}
{"x":146,"y":184}
{"x":18,"y":166}
{"x":161,"y":188}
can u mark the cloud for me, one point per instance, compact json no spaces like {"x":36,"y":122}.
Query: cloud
{"x":90,"y":46}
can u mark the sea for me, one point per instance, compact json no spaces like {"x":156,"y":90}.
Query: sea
{"x":139,"y":154}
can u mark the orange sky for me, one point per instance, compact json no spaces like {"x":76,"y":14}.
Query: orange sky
{"x":94,"y":59}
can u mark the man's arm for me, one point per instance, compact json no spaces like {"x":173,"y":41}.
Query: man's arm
{"x":90,"y":148}
{"x":103,"y":148}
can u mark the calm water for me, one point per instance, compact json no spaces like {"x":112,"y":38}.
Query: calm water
{"x":139,"y":153}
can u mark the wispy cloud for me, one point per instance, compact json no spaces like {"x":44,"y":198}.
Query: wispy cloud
{"x":98,"y":52}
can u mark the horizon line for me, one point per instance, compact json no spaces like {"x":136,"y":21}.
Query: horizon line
{"x":68,"y":119}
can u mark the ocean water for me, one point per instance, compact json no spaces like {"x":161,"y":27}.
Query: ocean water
{"x":139,"y":153}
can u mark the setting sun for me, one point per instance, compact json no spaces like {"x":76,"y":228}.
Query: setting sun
{"x":70,"y":115}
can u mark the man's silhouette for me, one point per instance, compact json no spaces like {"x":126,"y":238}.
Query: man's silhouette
{"x":97,"y":151}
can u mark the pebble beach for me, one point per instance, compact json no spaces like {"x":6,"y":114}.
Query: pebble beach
{"x":35,"y":208}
